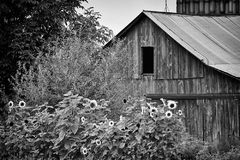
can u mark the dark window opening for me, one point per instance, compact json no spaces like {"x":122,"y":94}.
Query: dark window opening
{"x":147,"y":60}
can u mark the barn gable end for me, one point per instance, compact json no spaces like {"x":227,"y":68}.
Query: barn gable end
{"x":209,"y":97}
{"x":176,"y":70}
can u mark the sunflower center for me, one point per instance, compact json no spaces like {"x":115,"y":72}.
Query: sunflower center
{"x":172,"y":106}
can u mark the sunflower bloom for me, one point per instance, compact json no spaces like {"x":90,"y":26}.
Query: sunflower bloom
{"x":10,"y":104}
{"x":83,"y":119}
{"x":98,"y":142}
{"x":169,"y":114}
{"x":84,"y":150}
{"x":21,"y":104}
{"x":93,"y":103}
{"x":171,"y":104}
{"x":111,"y":123}
{"x":180,"y":113}
{"x":168,"y":129}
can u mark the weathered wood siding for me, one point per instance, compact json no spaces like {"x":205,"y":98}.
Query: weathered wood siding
{"x":177,"y":71}
{"x":208,"y":7}
{"x":212,"y":119}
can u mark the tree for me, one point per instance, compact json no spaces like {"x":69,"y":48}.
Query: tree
{"x":29,"y":27}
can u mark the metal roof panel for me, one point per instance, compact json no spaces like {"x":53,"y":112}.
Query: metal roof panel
{"x":213,"y":39}
{"x":232,"y":69}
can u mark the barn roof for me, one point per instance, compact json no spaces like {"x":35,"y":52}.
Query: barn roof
{"x":213,"y":39}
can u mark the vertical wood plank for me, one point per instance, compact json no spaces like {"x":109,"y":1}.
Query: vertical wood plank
{"x":158,"y":63}
{"x":175,"y":86}
{"x":226,"y":7}
{"x":191,"y":6}
{"x":186,"y":87}
{"x":175,"y":61}
{"x":204,"y":122}
{"x":195,"y":68}
{"x":180,"y":86}
{"x":166,"y":87}
{"x":181,"y":63}
{"x":167,"y":59}
{"x":230,"y":8}
{"x":217,"y":7}
{"x":164,"y":55}
{"x":238,"y":117}
{"x":206,"y":7}
{"x":224,"y":119}
{"x":170,"y":58}
{"x":186,"y":65}
{"x":212,"y":6}
{"x":230,"y":86}
{"x":135,"y":55}
{"x":161,"y":57}
{"x":170,"y":86}
{"x":201,"y":69}
{"x":199,"y":86}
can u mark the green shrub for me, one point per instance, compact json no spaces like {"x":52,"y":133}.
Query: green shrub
{"x":76,"y":65}
{"x":190,"y":147}
{"x":194,"y":149}
{"x":232,"y":154}
{"x":80,"y":128}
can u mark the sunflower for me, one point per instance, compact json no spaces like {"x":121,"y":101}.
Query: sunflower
{"x":98,"y":142}
{"x":171,"y":104}
{"x":169,"y":114}
{"x":168,"y":129}
{"x":86,"y":100}
{"x":10,"y":104}
{"x":84,"y":150}
{"x":93,"y":103}
{"x":111,"y":123}
{"x":26,"y":121}
{"x":180,"y":113}
{"x":83,"y":119}
{"x":21,"y":104}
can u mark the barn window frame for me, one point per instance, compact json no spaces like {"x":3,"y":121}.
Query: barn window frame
{"x":146,"y":60}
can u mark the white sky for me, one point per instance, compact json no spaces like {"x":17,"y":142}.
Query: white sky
{"x":117,"y":14}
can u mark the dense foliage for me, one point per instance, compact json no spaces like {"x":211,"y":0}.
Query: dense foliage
{"x":79,"y":66}
{"x":78,"y":127}
{"x":29,"y":27}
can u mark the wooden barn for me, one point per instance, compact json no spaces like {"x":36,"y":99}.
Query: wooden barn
{"x":192,"y":56}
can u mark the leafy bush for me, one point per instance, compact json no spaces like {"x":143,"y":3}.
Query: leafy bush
{"x":80,"y":128}
{"x":193,"y":149}
{"x":190,"y":147}
{"x":212,"y":152}
{"x":76,"y":65}
{"x":233,"y":154}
